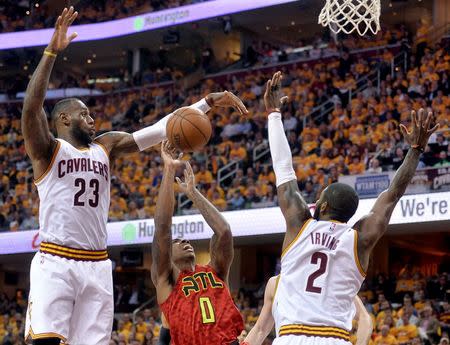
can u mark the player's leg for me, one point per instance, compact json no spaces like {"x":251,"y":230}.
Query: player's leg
{"x":93,"y":312}
{"x":51,"y":299}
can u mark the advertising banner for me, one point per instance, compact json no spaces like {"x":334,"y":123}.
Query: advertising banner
{"x":411,"y":209}
{"x":140,"y":23}
{"x":424,"y":181}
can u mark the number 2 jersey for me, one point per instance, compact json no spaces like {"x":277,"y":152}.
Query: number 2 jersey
{"x":320,"y":276}
{"x":200,"y":310}
{"x":74,"y":197}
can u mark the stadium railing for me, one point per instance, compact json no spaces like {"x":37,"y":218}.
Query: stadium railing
{"x":144,"y":305}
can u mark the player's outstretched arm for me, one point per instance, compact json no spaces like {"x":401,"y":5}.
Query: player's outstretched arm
{"x":265,"y":321}
{"x":374,"y":225}
{"x":365,"y":325}
{"x":294,"y":208}
{"x":122,"y":143}
{"x":162,"y":270}
{"x":221,"y":247}
{"x":39,"y":142}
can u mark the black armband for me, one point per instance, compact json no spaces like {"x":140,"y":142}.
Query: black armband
{"x":164,"y":336}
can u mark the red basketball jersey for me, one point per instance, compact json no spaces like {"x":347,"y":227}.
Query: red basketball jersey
{"x":200,"y":310}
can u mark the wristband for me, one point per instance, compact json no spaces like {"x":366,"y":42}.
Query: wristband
{"x":202,"y":105}
{"x":417,"y":147}
{"x":49,"y":53}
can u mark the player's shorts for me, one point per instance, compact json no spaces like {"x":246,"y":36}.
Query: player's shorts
{"x":312,"y":335}
{"x":70,"y":298}
{"x":307,"y":340}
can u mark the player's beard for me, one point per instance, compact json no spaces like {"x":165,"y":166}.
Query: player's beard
{"x":81,"y":136}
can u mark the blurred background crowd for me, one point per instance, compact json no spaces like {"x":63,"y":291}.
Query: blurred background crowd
{"x":359,"y":136}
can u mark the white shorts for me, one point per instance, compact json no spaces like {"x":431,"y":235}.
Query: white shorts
{"x":305,"y":340}
{"x":71,"y":300}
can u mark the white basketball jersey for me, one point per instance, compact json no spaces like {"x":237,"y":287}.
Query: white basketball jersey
{"x":74,"y":197}
{"x":320,"y":276}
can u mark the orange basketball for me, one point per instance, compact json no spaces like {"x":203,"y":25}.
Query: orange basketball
{"x":188,"y":129}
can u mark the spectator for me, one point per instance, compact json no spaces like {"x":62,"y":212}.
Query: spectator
{"x":385,"y":338}
{"x":428,"y":324}
{"x":237,"y":201}
{"x":374,"y":167}
{"x":406,"y":332}
{"x":443,"y":161}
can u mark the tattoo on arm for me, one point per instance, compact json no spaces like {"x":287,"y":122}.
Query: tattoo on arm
{"x":373,"y":226}
{"x":39,"y":142}
{"x":294,"y":208}
{"x":118,"y":143}
{"x":221,"y":247}
{"x":404,"y":174}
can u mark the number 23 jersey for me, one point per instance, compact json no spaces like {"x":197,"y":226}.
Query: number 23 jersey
{"x":320,"y":276}
{"x":200,"y":310}
{"x":74,"y":197}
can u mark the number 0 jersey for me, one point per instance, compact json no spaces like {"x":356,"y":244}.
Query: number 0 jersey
{"x":200,"y":310}
{"x":74,"y":197}
{"x":320,"y":276}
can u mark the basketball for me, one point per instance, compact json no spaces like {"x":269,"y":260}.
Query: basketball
{"x":188,"y":129}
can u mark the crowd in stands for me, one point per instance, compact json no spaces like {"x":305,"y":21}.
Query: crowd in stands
{"x":410,"y":309}
{"x":361,"y":135}
{"x":264,"y":53}
{"x":15,"y":16}
{"x":161,"y":69}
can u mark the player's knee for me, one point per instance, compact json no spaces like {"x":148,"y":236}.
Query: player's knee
{"x":47,"y":341}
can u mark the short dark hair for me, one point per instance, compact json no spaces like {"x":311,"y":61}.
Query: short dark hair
{"x":342,"y":201}
{"x":62,"y":106}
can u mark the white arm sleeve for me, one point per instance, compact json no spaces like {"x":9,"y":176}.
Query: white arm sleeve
{"x":154,"y":134}
{"x":280,"y":150}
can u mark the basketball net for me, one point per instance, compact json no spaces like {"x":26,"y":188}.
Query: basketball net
{"x":349,"y":15}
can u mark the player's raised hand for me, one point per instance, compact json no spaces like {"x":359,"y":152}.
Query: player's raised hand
{"x":226,"y":99}
{"x":421,"y":129}
{"x":60,"y":40}
{"x":272,"y":97}
{"x":170,"y":158}
{"x":188,"y":186}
